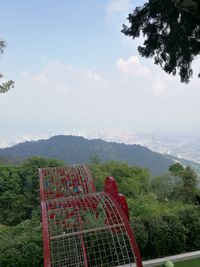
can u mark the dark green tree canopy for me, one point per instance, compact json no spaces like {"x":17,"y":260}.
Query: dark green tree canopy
{"x":172,"y":36}
{"x":176,"y":169}
{"x":5,"y":86}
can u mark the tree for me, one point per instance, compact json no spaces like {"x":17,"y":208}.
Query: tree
{"x":132,"y":181}
{"x":166,"y":187}
{"x":172,"y":36}
{"x":19,"y":189}
{"x":187,"y":190}
{"x":190,"y":6}
{"x":21,"y":245}
{"x":5,"y":86}
{"x":176,"y":169}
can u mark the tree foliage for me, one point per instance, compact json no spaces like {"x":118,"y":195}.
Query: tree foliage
{"x":21,"y":245}
{"x":187,"y":189}
{"x":166,"y":186}
{"x":176,"y":169}
{"x":168,"y":234}
{"x":5,"y":86}
{"x":132,"y":181}
{"x":172,"y":36}
{"x":19,"y":189}
{"x":163,"y":225}
{"x":192,"y":7}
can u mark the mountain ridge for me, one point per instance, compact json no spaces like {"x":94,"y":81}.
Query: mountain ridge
{"x":75,"y":149}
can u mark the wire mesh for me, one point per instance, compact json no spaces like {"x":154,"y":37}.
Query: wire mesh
{"x":87,"y":231}
{"x":83,"y":228}
{"x":67,"y":181}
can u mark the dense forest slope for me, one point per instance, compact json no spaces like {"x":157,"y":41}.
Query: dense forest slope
{"x":74,"y":150}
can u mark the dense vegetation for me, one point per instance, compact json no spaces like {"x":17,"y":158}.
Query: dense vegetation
{"x":75,"y":150}
{"x":164,"y":212}
{"x":20,"y":226}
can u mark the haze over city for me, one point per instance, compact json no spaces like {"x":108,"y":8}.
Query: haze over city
{"x":74,"y":71}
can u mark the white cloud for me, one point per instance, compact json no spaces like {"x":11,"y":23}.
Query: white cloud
{"x":94,"y":76}
{"x":60,"y":77}
{"x":135,"y":71}
{"x":135,"y":96}
{"x":133,"y":66}
{"x":52,"y":77}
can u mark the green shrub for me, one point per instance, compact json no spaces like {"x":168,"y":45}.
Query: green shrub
{"x":160,"y":235}
{"x":190,"y":218}
{"x":21,"y":245}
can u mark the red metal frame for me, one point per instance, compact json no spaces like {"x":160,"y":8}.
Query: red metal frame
{"x":111,"y":188}
{"x":129,"y":230}
{"x":45,"y":230}
{"x":57,"y":202}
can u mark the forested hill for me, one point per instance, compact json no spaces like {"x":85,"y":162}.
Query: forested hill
{"x":74,"y":150}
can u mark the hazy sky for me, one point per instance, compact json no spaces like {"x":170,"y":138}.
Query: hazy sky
{"x":75,"y":71}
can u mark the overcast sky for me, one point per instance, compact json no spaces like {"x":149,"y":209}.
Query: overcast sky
{"x":75,"y":71}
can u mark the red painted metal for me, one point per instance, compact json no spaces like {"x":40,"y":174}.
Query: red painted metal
{"x":45,"y":231}
{"x":82,"y":227}
{"x":111,"y":187}
{"x":57,"y":183}
{"x":129,"y":230}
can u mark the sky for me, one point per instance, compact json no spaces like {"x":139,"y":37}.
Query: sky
{"x":74,"y":71}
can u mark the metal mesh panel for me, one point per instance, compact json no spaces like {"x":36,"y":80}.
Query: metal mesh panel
{"x":87,"y":231}
{"x":82,"y":228}
{"x":68,"y":181}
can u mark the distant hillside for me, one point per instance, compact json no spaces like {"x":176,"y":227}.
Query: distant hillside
{"x":74,"y":150}
{"x":185,"y":162}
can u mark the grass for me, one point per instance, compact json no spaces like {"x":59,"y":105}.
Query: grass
{"x":188,"y":263}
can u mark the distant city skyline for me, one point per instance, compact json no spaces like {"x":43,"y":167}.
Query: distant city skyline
{"x":75,"y":72}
